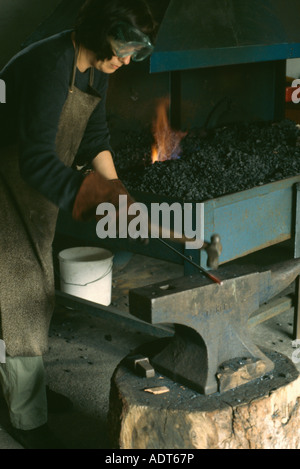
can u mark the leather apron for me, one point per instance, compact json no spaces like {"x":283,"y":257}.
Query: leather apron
{"x":27,"y":229}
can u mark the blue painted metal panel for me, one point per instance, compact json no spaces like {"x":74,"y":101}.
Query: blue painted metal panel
{"x":201,"y":33}
{"x":252,"y":223}
{"x":252,"y":220}
{"x":202,"y":58}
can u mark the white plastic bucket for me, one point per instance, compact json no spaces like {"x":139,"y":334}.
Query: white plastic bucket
{"x":86,"y":272}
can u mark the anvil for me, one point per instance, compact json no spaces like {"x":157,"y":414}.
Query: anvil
{"x":211,"y":321}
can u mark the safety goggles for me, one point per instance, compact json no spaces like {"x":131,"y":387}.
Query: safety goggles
{"x":127,"y":41}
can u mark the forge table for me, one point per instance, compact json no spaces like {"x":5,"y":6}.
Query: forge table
{"x":247,"y":222}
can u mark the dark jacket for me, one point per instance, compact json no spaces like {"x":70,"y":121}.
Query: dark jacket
{"x":37,"y":81}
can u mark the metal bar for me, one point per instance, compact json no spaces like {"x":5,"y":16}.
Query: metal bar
{"x":296,"y":330}
{"x":279,"y":89}
{"x":297,"y":223}
{"x":112,"y":314}
{"x":175,"y":103}
{"x":205,"y":272}
{"x":271,"y":309}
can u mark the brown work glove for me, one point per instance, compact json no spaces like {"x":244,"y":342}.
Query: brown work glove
{"x":94,"y":190}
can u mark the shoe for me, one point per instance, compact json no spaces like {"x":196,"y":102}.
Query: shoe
{"x":39,"y":438}
{"x":57,"y":403}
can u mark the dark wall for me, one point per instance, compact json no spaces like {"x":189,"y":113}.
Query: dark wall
{"x":221,"y":94}
{"x":18,"y":19}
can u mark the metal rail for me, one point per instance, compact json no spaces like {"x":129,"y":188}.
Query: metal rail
{"x":111,"y":313}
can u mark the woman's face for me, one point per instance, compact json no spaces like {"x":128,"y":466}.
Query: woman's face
{"x":111,"y":65}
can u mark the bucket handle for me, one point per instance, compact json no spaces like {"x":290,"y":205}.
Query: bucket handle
{"x":89,"y":283}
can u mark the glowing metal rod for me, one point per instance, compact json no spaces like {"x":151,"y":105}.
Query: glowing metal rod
{"x":205,"y":272}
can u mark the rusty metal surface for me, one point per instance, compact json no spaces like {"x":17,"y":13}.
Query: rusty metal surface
{"x":211,"y":320}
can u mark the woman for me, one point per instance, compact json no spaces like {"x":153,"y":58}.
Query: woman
{"x":54,"y":116}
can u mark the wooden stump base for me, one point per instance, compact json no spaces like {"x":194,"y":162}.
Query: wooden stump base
{"x":263,"y":414}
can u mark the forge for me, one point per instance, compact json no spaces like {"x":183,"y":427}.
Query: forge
{"x":233,"y":44}
{"x":225,"y":83}
{"x":207,"y":166}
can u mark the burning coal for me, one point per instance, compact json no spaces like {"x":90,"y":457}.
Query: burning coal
{"x":167,"y":141}
{"x":229,"y":159}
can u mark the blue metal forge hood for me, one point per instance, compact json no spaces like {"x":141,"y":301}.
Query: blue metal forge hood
{"x":209,"y":33}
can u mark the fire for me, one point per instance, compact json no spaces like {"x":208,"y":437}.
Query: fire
{"x":154,"y":155}
{"x":167,"y":141}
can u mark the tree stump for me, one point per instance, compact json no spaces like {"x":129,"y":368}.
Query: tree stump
{"x":263,"y":414}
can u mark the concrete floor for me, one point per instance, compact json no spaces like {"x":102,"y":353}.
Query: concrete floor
{"x":85,"y":350}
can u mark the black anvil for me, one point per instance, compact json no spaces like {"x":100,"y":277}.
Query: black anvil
{"x":212,"y":341}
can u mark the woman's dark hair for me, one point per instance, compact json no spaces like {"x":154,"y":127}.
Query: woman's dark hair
{"x":97,"y":17}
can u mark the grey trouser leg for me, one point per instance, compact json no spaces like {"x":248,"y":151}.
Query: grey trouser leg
{"x":24,"y":388}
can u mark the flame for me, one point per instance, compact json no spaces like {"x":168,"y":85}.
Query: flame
{"x":167,"y":141}
{"x":154,"y":155}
